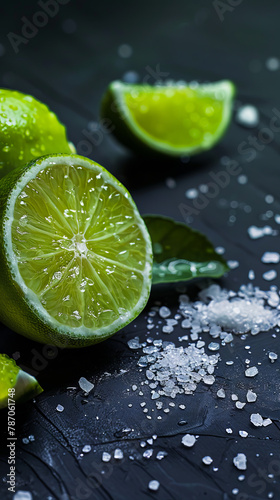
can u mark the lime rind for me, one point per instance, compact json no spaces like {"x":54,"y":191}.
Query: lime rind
{"x":13,"y":378}
{"x":28,"y":130}
{"x":51,"y":329}
{"x":128,"y":131}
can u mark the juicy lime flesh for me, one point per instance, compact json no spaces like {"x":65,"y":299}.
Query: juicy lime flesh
{"x":176,"y":116}
{"x":78,"y":246}
{"x":8,"y":374}
{"x":28,"y":129}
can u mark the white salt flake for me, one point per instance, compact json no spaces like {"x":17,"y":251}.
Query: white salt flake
{"x":270,"y":275}
{"x":251,"y":396}
{"x":106,"y":457}
{"x":240,"y":461}
{"x":271,"y":258}
{"x":164,"y":312}
{"x":259,"y":232}
{"x":207,"y":460}
{"x":60,"y":408}
{"x":154,"y":485}
{"x":266,"y":422}
{"x":256,"y":419}
{"x":229,"y":430}
{"x":85,"y":385}
{"x":22,"y":495}
{"x":118,"y":454}
{"x":221,"y":393}
{"x":161,"y":455}
{"x":192,"y":193}
{"x":243,"y":434}
{"x":272,"y":64}
{"x":148,"y":453}
{"x":233,"y":264}
{"x":251,"y":274}
{"x":239,"y":405}
{"x":247,"y":116}
{"x":272,"y":356}
{"x":251,"y":372}
{"x":188,"y":440}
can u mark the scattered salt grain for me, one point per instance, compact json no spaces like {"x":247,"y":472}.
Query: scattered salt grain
{"x":164,"y":312}
{"x":233,"y":264}
{"x":243,"y":434}
{"x":242,"y":179}
{"x":188,"y":440}
{"x":106,"y":457}
{"x":266,"y":422}
{"x":221,"y":393}
{"x":251,"y":274}
{"x":170,"y":183}
{"x":59,"y":408}
{"x":154,"y":485}
{"x":272,"y":356}
{"x":259,"y":232}
{"x":118,"y":454}
{"x":270,"y":275}
{"x":85,"y":385}
{"x":229,"y":430}
{"x":256,"y":419}
{"x":207,"y":460}
{"x":148,"y":453}
{"x":251,"y":372}
{"x":272,"y":63}
{"x":240,"y":461}
{"x":161,"y":455}
{"x":239,"y":405}
{"x":271,"y":258}
{"x":247,"y":116}
{"x":191,"y":194}
{"x":22,"y":495}
{"x":251,"y":396}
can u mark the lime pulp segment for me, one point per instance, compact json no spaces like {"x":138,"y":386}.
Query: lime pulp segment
{"x":77,"y":246}
{"x":176,"y":119}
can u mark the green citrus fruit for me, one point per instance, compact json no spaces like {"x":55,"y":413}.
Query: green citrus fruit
{"x":28,"y":129}
{"x":174,"y":119}
{"x":75,"y":255}
{"x":15,"y":384}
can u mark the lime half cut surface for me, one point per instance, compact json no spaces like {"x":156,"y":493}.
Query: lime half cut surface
{"x":177,"y":119}
{"x":76,"y":254}
{"x":15,"y":384}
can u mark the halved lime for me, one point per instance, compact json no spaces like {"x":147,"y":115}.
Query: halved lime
{"x":75,"y":255}
{"x":15,"y":384}
{"x":28,"y":129}
{"x":176,"y":119}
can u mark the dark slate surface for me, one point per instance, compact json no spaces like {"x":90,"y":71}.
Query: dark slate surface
{"x":69,"y":71}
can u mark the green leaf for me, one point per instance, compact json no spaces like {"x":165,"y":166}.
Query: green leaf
{"x":181,"y":253}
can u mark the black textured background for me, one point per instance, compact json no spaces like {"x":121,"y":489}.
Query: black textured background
{"x":70,"y":71}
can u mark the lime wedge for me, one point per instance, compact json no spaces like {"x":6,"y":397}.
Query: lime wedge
{"x":28,"y":129}
{"x":76,"y":256}
{"x":174,"y":119}
{"x":15,"y":384}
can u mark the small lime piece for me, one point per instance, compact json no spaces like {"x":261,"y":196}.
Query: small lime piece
{"x":15,"y":384}
{"x":176,"y":119}
{"x":75,"y":254}
{"x":28,"y":129}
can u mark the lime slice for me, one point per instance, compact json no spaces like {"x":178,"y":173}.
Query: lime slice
{"x":28,"y":129}
{"x":76,"y":256}
{"x":175,"y":119}
{"x":15,"y":384}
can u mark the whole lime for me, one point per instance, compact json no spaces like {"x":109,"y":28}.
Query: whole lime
{"x":28,"y":129}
